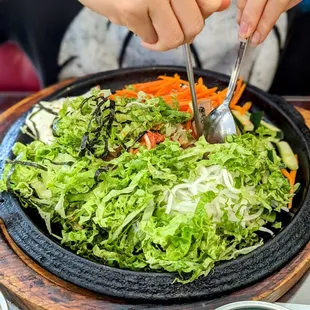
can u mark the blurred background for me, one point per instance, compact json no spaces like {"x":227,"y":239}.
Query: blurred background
{"x":31,"y":34}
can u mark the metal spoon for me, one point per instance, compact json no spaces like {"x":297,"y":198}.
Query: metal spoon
{"x":220,"y":122}
{"x":191,"y":80}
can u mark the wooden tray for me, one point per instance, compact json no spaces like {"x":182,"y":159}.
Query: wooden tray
{"x":30,"y":287}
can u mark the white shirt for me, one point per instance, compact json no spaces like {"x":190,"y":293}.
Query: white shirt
{"x":97,"y":47}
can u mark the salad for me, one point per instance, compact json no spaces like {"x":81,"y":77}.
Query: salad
{"x":122,"y":178}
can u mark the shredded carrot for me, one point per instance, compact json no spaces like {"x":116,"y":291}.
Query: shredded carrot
{"x":169,"y":78}
{"x":246,"y":107}
{"x":173,"y":89}
{"x":237,"y":96}
{"x":293,"y":174}
{"x":127,"y":93}
{"x":292,"y":180}
{"x":291,"y":177}
{"x":286,"y":173}
{"x":240,"y":109}
{"x":239,"y":84}
{"x":188,"y":125}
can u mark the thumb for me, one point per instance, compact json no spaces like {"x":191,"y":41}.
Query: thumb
{"x":208,"y":7}
{"x":225,"y":5}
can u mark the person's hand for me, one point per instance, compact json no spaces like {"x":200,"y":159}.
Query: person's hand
{"x":257,"y":17}
{"x":161,"y":24}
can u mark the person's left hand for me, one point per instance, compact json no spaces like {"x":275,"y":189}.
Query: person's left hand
{"x":257,"y":17}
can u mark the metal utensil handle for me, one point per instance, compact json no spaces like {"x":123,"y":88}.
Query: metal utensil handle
{"x":236,"y":72}
{"x":190,"y":76}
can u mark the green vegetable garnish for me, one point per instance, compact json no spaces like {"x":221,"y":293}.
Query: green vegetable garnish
{"x":165,"y":209}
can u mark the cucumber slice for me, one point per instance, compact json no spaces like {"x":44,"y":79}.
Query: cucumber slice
{"x":269,"y":126}
{"x":254,"y":119}
{"x":287,"y":155}
{"x":244,"y":120}
{"x":279,"y":132}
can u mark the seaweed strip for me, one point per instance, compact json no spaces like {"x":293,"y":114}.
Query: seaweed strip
{"x":95,"y":114}
{"x":68,"y":163}
{"x":109,"y":127}
{"x":98,"y":116}
{"x":26,"y":130}
{"x":36,"y":133}
{"x":84,"y":102}
{"x":47,"y":109}
{"x":136,"y":140}
{"x":95,"y":139}
{"x":26,"y":163}
{"x":106,"y":146}
{"x":83,"y":144}
{"x":100,"y":171}
{"x":123,"y":123}
{"x":98,"y":108}
{"x":98,"y":129}
{"x":110,"y":119}
{"x":123,"y":145}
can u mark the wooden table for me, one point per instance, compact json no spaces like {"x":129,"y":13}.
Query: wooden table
{"x":41,"y":290}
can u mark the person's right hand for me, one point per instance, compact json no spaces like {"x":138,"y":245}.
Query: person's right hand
{"x":161,"y":24}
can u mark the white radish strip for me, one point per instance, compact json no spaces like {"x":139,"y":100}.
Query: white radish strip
{"x":232,"y":216}
{"x":264,"y":229}
{"x":147,"y":142}
{"x":253,"y":216}
{"x":286,"y":209}
{"x":169,"y":204}
{"x":228,"y":182}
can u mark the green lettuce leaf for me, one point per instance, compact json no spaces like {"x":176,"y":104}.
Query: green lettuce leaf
{"x":116,"y":211}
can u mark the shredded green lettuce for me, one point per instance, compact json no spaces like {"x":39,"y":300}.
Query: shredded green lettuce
{"x":117,"y":211}
{"x":96,"y":125}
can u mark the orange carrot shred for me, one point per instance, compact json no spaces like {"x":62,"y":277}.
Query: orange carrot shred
{"x":246,"y":107}
{"x":173,"y":89}
{"x":291,"y":177}
{"x":237,"y":96}
{"x":239,"y":84}
{"x":286,"y":173}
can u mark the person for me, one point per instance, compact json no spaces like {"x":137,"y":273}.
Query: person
{"x":100,"y":37}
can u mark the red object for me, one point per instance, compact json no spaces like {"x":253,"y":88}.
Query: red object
{"x":16,"y":71}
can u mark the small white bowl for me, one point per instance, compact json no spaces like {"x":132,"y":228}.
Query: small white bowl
{"x":252,"y":305}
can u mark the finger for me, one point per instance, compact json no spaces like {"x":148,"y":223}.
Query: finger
{"x":241,"y":4}
{"x":139,"y":22}
{"x":207,"y":7}
{"x":170,"y":35}
{"x":292,"y":4}
{"x":189,"y":17}
{"x":145,"y":30}
{"x":250,"y":17}
{"x":225,"y":5}
{"x":271,"y":14}
{"x":104,"y":8}
{"x":240,"y":7}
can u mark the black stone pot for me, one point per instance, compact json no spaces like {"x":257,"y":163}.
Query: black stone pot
{"x":28,"y":231}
